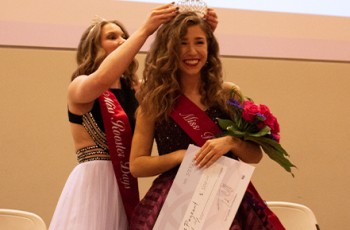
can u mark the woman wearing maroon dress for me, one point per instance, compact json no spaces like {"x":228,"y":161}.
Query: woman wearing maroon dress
{"x":183,"y":73}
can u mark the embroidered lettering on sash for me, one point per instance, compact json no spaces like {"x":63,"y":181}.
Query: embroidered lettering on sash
{"x":191,"y":119}
{"x":118,"y":127}
{"x":109,"y":103}
{"x":124,"y":168}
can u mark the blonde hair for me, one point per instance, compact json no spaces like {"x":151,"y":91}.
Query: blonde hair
{"x":90,"y":53}
{"x":161,"y":86}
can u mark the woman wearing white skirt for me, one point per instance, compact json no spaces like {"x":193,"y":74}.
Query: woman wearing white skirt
{"x":100,"y":193}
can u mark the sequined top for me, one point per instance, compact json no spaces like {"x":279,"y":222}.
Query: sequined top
{"x":170,"y":137}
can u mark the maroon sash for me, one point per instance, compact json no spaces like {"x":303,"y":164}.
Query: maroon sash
{"x":197,"y":125}
{"x":194,"y":121}
{"x":119,"y":135}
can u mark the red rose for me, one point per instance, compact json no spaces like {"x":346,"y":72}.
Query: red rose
{"x":276,"y":137}
{"x":257,"y":124}
{"x":271,"y":120}
{"x":249,"y":111}
{"x":275,"y":127}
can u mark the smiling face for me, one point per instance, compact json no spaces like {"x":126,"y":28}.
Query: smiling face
{"x":112,"y":36}
{"x":193,"y":51}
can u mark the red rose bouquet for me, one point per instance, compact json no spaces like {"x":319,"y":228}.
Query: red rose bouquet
{"x":252,"y":122}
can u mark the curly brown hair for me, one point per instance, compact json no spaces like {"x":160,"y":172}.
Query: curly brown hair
{"x":90,"y":53}
{"x":161,"y":85}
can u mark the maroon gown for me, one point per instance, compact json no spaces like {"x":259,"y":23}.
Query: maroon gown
{"x":252,"y":214}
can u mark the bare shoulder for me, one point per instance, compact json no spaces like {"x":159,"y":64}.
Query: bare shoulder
{"x":232,"y":90}
{"x":136,"y":86}
{"x":227,"y":85}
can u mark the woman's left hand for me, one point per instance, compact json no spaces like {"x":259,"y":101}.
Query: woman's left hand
{"x":212,"y":150}
{"x":211,"y":18}
{"x":158,"y":16}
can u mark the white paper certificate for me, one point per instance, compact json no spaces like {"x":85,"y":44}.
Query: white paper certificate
{"x":204,"y":198}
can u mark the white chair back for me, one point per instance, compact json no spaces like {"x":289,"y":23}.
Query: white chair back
{"x":11,"y":219}
{"x":294,"y":216}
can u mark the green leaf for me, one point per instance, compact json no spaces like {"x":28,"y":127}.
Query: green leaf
{"x":266,"y":130}
{"x":224,"y":123}
{"x":234,"y":132}
{"x":275,"y":151}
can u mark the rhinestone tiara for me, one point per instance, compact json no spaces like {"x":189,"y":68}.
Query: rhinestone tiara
{"x":197,"y":6}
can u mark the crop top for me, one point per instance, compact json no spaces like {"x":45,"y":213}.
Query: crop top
{"x":127,"y":100}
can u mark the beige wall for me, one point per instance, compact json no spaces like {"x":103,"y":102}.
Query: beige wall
{"x":309,"y":98}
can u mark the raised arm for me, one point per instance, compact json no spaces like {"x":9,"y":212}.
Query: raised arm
{"x":85,"y":89}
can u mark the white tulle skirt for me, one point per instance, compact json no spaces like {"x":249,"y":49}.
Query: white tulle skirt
{"x":90,"y":200}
